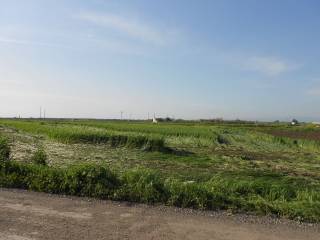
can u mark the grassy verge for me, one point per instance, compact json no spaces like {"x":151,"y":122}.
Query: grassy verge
{"x":284,"y":197}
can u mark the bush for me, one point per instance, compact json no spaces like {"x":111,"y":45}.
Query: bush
{"x":4,"y":149}
{"x":39,"y":157}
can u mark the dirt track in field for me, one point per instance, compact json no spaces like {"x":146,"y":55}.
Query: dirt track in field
{"x":32,"y":216}
{"x":308,"y":135}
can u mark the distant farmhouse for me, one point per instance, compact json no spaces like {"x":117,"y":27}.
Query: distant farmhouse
{"x":154,"y":120}
{"x":294,"y":122}
{"x":157,"y":120}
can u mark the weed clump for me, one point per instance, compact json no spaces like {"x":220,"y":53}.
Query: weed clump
{"x":4,"y":149}
{"x":247,"y":157}
{"x":142,"y":185}
{"x":90,"y":180}
{"x":221,"y":139}
{"x":155,"y":144}
{"x":40,"y":157}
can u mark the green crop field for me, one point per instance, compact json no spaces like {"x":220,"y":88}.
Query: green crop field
{"x":240,"y":167}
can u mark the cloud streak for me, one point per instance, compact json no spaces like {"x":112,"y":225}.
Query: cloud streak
{"x":132,"y":28}
{"x":17,"y":41}
{"x":268,"y":65}
{"x":28,"y":43}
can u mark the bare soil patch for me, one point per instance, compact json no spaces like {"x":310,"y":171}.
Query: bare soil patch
{"x":309,"y":135}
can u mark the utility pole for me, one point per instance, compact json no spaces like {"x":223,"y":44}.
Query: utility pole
{"x":121,"y":113}
{"x":40,"y":112}
{"x":148,"y":116}
{"x":44,"y":114}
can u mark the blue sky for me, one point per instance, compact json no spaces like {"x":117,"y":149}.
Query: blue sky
{"x":192,"y":59}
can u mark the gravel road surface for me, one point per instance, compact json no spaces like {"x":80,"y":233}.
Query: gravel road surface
{"x":33,"y":216}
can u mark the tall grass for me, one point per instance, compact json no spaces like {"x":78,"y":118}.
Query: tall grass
{"x":153,"y":137}
{"x":83,"y":134}
{"x":209,"y":135}
{"x":274,"y":194}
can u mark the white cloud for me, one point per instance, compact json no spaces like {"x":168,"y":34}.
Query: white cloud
{"x":133,"y":28}
{"x":268,"y":65}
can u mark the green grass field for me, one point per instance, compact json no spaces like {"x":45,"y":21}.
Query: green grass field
{"x":254,"y":168}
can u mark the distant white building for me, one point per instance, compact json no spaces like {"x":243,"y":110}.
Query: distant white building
{"x":154,"y":120}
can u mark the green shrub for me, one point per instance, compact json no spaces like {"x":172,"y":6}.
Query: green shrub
{"x":4,"y":149}
{"x":40,"y":157}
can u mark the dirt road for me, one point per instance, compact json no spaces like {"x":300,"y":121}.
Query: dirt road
{"x":32,"y":216}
